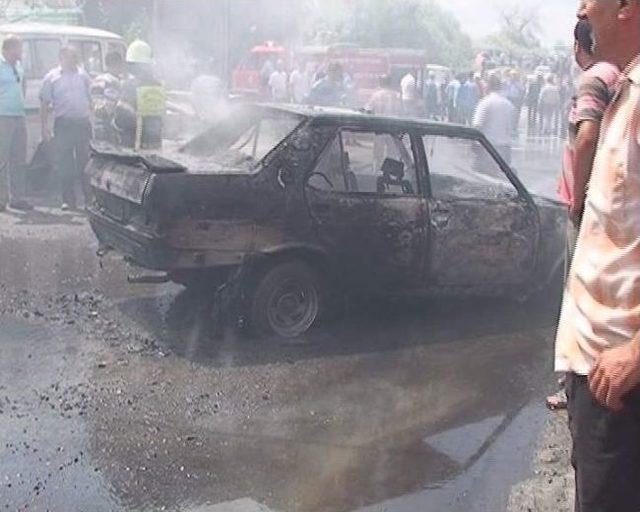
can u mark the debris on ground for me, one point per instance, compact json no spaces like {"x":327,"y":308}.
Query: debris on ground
{"x":553,"y":487}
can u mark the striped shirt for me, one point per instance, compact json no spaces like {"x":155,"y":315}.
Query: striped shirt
{"x":595,"y":90}
{"x":601,"y":306}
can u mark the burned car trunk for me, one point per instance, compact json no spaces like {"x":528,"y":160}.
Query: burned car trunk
{"x":302,"y":199}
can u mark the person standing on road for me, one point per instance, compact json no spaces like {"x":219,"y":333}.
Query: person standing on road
{"x":278,"y":84}
{"x":13,"y":127}
{"x":431,"y":94}
{"x":532,"y":100}
{"x":595,"y":90}
{"x":549,"y":106}
{"x":329,"y":90}
{"x":67,"y":91}
{"x":106,"y":89}
{"x":451,"y":92}
{"x":409,"y":92}
{"x":494,"y":117}
{"x":385,"y":101}
{"x":514,"y":91}
{"x":142,"y":105}
{"x":598,"y":339}
{"x":299,"y":83}
{"x":468,"y":99}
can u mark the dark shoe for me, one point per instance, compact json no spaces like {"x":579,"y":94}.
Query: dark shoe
{"x":21,"y":205}
{"x":3,"y":207}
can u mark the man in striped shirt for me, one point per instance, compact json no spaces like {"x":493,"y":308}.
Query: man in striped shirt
{"x":598,"y":340}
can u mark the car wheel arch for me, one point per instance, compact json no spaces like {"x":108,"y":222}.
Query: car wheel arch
{"x":313,"y":255}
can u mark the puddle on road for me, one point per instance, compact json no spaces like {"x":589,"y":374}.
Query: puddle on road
{"x":402,"y":404}
{"x":348,"y":421}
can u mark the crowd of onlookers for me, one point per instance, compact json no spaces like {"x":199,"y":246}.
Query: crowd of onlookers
{"x":544,"y":93}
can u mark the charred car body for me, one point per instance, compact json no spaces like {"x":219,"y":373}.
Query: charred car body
{"x":305,"y":201}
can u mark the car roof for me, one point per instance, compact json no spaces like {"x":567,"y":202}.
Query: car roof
{"x":343,"y":116}
{"x":51,"y":29}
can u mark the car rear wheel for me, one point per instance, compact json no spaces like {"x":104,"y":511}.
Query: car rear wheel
{"x":288,"y":300}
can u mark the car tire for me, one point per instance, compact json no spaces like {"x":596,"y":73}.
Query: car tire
{"x":288,"y":300}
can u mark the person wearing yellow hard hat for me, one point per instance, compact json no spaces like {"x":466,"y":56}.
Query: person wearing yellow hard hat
{"x":140,"y":111}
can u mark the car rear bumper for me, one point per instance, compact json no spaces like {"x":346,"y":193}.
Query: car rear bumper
{"x":153,"y":252}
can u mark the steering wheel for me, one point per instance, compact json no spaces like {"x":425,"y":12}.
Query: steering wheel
{"x":323,"y":176}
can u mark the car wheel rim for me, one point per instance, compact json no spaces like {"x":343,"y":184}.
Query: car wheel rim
{"x":293,"y":308}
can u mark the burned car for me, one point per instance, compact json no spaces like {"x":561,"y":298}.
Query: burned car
{"x":296,"y":203}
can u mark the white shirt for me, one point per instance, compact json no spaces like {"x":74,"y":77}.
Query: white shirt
{"x":300,"y":85}
{"x":278,"y":84}
{"x":494,"y":117}
{"x":408,"y":87}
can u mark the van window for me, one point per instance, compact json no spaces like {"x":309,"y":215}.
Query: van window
{"x":90,"y":55}
{"x":45,"y":56}
{"x":27,"y":60}
{"x":116,"y":48}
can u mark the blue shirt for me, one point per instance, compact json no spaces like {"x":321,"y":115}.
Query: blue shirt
{"x":11,"y":94}
{"x":325,"y":93}
{"x":69,"y":93}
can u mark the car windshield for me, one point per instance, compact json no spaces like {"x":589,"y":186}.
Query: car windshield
{"x":240,"y":143}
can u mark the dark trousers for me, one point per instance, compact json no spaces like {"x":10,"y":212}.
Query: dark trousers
{"x":532,"y":119}
{"x":606,"y":450}
{"x":71,"y":155}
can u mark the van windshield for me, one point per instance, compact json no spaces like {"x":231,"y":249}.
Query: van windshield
{"x":240,"y":143}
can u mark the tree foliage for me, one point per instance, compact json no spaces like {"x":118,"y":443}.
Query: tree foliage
{"x":418,"y":24}
{"x":130,"y":18}
{"x":520,"y":29}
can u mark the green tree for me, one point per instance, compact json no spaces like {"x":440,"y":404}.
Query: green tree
{"x":520,"y":29}
{"x":130,"y":18}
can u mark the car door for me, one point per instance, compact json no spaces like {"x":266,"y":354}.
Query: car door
{"x":374,"y":224}
{"x":484,"y":229}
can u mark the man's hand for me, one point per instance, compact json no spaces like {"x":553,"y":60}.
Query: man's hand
{"x":615,"y":375}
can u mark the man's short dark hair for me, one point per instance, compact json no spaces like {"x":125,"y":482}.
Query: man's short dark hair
{"x":113,"y":59}
{"x":583,"y":35}
{"x":11,"y":43}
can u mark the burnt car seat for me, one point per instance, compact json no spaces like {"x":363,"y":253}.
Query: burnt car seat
{"x":393,"y":176}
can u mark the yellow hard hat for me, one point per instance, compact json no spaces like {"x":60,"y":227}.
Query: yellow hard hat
{"x":139,"y":52}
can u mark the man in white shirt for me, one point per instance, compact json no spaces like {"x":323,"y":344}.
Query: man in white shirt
{"x":278,"y":83}
{"x":409,"y":92}
{"x":300,"y":84}
{"x":494,"y":117}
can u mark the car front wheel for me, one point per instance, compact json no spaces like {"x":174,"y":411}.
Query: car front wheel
{"x":288,"y":300}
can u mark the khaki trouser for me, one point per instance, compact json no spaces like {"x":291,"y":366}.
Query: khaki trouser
{"x":13,"y":156}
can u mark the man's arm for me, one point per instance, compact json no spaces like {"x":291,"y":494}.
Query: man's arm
{"x":591,"y":102}
{"x":585,"y":149}
{"x":44,"y":121}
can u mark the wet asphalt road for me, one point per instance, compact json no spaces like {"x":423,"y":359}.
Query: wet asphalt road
{"x":115,"y":397}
